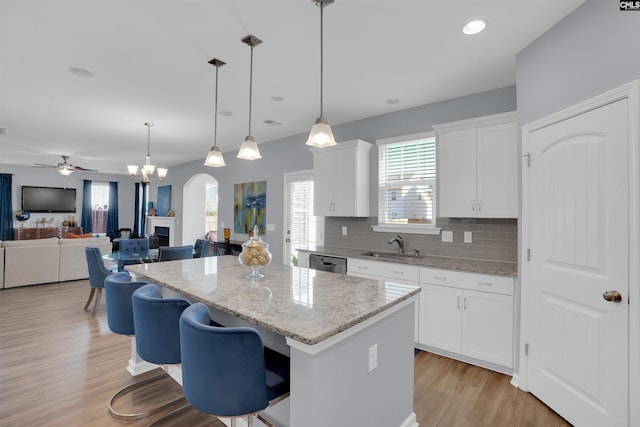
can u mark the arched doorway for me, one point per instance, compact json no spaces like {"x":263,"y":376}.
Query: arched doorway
{"x":199,"y":207}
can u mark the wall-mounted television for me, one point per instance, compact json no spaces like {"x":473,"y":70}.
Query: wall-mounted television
{"x":48,"y":199}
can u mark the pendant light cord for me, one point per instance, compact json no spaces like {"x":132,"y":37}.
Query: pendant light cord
{"x":321,"y":58}
{"x":215,"y":118}
{"x":250,"y":87}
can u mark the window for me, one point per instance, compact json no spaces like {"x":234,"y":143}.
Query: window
{"x":407,"y":184}
{"x":99,"y":206}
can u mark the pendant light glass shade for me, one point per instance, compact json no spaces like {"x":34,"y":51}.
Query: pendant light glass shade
{"x":249,"y":148}
{"x":214,"y":157}
{"x":321,"y":134}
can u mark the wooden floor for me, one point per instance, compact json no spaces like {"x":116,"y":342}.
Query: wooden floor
{"x":59,"y":366}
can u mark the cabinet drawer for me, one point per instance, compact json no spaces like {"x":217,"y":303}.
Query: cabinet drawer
{"x":473,"y":281}
{"x":383,"y":270}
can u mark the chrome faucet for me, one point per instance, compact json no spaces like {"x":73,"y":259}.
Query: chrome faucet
{"x":400,"y":243}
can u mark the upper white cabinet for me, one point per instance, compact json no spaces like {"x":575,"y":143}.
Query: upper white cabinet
{"x":478,"y":167}
{"x":341,"y":179}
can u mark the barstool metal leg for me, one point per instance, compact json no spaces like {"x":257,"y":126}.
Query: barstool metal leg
{"x":140,"y":415}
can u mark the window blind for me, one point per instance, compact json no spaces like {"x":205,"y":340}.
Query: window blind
{"x":407,"y":180}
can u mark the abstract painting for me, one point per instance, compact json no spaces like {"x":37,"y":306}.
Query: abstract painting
{"x":250,"y":206}
{"x":164,"y":200}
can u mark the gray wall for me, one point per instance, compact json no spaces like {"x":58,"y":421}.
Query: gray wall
{"x":593,"y":50}
{"x":291,"y":154}
{"x":48,"y":177}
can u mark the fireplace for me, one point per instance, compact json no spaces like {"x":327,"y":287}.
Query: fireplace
{"x":166,"y":223}
{"x":162,"y":233}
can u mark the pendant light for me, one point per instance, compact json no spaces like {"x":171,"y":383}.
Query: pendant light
{"x":148,"y":168}
{"x":321,"y":134}
{"x":214,"y":158}
{"x":249,"y":148}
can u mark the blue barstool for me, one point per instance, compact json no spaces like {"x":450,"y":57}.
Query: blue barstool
{"x":97,"y":274}
{"x":119,"y":289}
{"x":156,"y":322}
{"x":227,"y":372}
{"x":171,"y":253}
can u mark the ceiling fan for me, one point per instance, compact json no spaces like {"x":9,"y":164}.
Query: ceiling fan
{"x":65,"y":168}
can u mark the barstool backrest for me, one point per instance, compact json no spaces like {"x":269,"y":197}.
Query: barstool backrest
{"x":119,"y":289}
{"x":223,"y":369}
{"x":157,"y":325}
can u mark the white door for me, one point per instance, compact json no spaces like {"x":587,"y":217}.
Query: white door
{"x":578,"y":217}
{"x":441,"y":317}
{"x":302,"y":229}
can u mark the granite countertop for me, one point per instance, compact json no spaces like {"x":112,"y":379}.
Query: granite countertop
{"x":497,"y":268}
{"x":305,"y":305}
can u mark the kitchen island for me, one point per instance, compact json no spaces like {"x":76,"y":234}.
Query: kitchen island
{"x":350,"y":339}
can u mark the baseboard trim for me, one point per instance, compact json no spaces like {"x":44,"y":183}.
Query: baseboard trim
{"x":410,"y":421}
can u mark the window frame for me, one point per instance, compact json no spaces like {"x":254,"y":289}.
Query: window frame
{"x":410,"y":228}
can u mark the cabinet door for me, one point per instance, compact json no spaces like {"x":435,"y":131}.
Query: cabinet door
{"x":440,"y":317}
{"x":487,"y":330}
{"x":457,"y":173}
{"x":344,"y":183}
{"x":497,"y":171}
{"x":323,"y":183}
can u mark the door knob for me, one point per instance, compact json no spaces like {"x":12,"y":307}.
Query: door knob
{"x":612,"y":296}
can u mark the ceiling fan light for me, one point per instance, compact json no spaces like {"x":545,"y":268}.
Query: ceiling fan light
{"x":249,"y":149}
{"x":162,"y":173}
{"x":214,"y":158}
{"x":133,"y":170}
{"x":65,"y":171}
{"x":321,"y":134}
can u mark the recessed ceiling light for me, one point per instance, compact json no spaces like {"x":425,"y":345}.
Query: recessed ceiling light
{"x":225,"y":113}
{"x":277,"y":98}
{"x":81,"y":72}
{"x":393,"y":101}
{"x":474,"y":27}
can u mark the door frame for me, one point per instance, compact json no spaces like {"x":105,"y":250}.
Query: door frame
{"x":285,"y":209}
{"x":631,"y":92}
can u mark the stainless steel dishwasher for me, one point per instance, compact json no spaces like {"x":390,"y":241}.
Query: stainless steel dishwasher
{"x":328,"y":263}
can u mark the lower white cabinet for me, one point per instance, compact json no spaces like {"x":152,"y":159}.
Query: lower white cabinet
{"x":399,"y":273}
{"x":468,"y":315}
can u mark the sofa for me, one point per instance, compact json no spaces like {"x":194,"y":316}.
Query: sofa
{"x":32,"y":262}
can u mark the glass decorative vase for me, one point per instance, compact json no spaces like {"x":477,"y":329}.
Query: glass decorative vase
{"x":255,"y":253}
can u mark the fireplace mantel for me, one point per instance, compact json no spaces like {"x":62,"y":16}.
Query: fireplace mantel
{"x":162,"y":221}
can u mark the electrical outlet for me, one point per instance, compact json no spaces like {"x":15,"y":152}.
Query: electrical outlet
{"x":344,"y":230}
{"x":468,"y":237}
{"x":373,"y":357}
{"x":447,"y":236}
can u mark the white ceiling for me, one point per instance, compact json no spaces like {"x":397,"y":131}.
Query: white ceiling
{"x":150,"y":59}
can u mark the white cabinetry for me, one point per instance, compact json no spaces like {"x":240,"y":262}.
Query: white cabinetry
{"x":467,"y":316}
{"x":399,"y":273}
{"x":341,"y":179}
{"x":477,"y":167}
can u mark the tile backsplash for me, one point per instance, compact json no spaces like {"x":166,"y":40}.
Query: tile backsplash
{"x":492,"y":239}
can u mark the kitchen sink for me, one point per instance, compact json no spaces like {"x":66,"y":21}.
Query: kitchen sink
{"x":391,"y":255}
